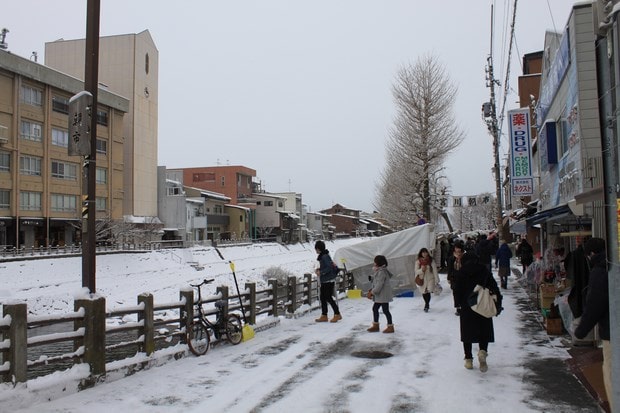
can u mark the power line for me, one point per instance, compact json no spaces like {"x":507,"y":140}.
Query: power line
{"x":551,"y":15}
{"x":507,"y":78}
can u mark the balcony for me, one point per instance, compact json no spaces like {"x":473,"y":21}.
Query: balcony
{"x":199,"y":222}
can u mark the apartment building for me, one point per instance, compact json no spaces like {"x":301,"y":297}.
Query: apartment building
{"x":128,"y":66}
{"x":234,"y":181}
{"x":40,"y":184}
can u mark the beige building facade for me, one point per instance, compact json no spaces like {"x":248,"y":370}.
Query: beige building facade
{"x":40,"y":184}
{"x":128,"y":66}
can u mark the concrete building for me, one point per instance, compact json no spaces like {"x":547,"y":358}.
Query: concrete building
{"x":40,"y":184}
{"x":569,"y":152}
{"x":234,"y":181}
{"x":128,"y":66}
{"x":193,"y":214}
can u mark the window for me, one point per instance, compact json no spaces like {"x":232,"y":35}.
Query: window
{"x":217,"y":209}
{"x":5,"y":199}
{"x":101,"y":204}
{"x":30,"y":201}
{"x":31,"y":131}
{"x":5,"y":162}
{"x":64,"y":203}
{"x":30,"y":165}
{"x":64,"y":170}
{"x":203,"y":177}
{"x":60,"y":137}
{"x":268,"y":203}
{"x":240,"y":218}
{"x":223,"y":181}
{"x":102,"y":117}
{"x":60,"y":104}
{"x":102,"y":146}
{"x":31,"y":95}
{"x":174,"y":190}
{"x":280,"y":204}
{"x":101,"y":176}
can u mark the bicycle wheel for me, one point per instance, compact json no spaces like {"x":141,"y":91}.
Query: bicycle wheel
{"x":198,"y":338}
{"x":233,"y":328}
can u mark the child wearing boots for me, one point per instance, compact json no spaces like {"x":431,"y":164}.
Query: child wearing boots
{"x":381,"y":293}
{"x":327,"y":277}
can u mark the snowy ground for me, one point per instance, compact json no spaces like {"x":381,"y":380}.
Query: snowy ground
{"x":298,"y":365}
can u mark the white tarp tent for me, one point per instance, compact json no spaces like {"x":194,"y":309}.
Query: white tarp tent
{"x":400,"y":248}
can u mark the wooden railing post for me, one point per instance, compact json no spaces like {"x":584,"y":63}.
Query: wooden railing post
{"x":223,"y":290}
{"x":94,"y":335}
{"x":273,"y":284}
{"x":251,"y":302}
{"x":308,"y":288}
{"x":147,"y":330}
{"x":292,"y":293}
{"x":17,"y":334}
{"x":186,"y":311}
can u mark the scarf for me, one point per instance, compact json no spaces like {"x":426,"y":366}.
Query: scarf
{"x":424,"y":261}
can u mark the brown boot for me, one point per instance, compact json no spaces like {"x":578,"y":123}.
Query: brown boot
{"x":389,"y":329}
{"x":373,"y":328}
{"x":323,"y":318}
{"x":336,"y":318}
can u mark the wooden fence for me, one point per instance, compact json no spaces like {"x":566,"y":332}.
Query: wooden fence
{"x":90,"y":332}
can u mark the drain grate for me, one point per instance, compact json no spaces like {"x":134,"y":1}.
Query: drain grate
{"x":372,"y":354}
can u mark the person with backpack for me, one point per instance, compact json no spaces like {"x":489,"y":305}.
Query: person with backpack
{"x":327,"y":273}
{"x":381,"y":293}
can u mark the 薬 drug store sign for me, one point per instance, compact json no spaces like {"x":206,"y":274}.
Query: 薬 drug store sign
{"x":521,"y":180}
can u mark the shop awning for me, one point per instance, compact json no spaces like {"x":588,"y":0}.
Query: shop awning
{"x":590,"y":195}
{"x":549,"y":214}
{"x":518,"y":227}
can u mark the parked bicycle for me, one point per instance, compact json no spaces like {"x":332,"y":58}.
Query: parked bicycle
{"x":201,"y":328}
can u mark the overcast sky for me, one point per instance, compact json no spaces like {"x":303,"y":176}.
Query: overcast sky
{"x":287,"y":86}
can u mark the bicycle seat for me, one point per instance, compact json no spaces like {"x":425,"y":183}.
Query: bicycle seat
{"x":220,"y":304}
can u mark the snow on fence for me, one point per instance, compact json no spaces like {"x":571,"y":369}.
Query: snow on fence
{"x":97,"y":337}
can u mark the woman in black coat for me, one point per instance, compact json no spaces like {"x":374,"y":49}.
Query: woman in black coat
{"x":474,"y":327}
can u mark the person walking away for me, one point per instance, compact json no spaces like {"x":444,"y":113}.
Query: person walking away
{"x":454,"y":265}
{"x":426,"y":270}
{"x":327,"y":276}
{"x":381,"y":293}
{"x":526,"y":253}
{"x":596,"y":308}
{"x":474,"y":328}
{"x":484,"y":250}
{"x":502,"y":262}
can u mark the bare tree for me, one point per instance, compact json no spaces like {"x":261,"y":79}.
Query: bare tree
{"x":424,"y":133}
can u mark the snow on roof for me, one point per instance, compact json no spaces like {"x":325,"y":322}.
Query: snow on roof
{"x":319,"y":213}
{"x":200,"y":201}
{"x":141,"y":220}
{"x":214,"y":195}
{"x":237,"y":207}
{"x":173,"y":182}
{"x":266,"y":195}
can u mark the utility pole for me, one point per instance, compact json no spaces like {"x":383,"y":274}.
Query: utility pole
{"x":489,"y":113}
{"x":91,"y":84}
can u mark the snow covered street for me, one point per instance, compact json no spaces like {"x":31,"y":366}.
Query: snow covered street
{"x":301,"y":365}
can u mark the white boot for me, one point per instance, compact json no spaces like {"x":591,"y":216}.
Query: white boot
{"x":482,"y":359}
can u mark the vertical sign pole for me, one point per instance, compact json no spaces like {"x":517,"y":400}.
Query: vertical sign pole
{"x":91,"y":81}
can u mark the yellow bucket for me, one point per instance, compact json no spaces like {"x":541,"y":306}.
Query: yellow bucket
{"x":354,"y":293}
